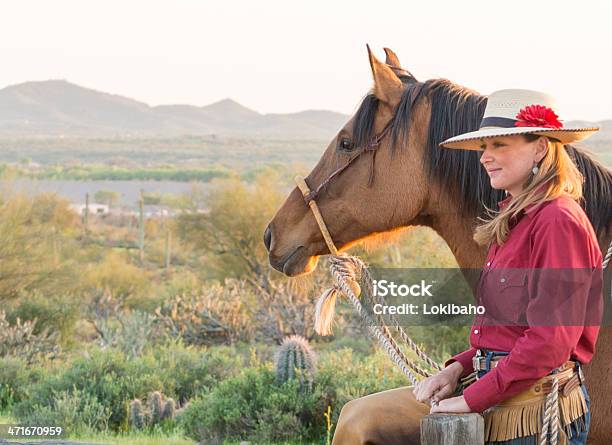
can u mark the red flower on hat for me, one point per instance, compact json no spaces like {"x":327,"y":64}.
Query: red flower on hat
{"x":537,"y":116}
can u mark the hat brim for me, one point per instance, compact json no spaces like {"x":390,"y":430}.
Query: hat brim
{"x":472,"y":140}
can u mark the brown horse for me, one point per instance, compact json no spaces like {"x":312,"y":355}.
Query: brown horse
{"x":408,"y":180}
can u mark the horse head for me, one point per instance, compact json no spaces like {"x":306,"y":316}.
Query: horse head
{"x":367,"y":194}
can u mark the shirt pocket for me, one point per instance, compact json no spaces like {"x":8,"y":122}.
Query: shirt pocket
{"x":506,"y":296}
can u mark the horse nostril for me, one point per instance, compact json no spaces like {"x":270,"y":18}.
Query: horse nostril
{"x":268,"y":238}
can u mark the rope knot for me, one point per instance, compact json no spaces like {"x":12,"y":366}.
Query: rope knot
{"x":346,"y":271}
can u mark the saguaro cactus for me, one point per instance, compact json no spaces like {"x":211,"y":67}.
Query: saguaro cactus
{"x":295,"y":359}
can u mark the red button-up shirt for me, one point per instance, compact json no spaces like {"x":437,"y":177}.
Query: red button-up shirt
{"x":554,"y":235}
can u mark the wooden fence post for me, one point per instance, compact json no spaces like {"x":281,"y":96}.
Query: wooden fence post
{"x":452,"y":429}
{"x":168,"y":250}
{"x":86,"y":215}
{"x":141,"y":230}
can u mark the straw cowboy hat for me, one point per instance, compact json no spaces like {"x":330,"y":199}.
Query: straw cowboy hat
{"x":513,"y":111}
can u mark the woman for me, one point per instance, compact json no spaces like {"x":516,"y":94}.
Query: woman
{"x":540,"y":236}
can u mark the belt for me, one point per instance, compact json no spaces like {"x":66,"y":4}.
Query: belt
{"x":569,"y":374}
{"x":479,"y":361}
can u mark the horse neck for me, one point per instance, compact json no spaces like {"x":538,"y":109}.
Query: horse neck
{"x":456,"y":229}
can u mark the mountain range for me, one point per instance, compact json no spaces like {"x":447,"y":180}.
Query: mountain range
{"x":55,"y":108}
{"x":60,"y":108}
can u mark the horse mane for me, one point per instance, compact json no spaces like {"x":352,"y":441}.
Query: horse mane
{"x":456,"y":110}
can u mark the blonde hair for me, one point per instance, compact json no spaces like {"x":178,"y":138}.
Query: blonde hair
{"x":557,"y":170}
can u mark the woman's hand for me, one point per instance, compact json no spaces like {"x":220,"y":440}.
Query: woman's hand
{"x":439,"y":386}
{"x":452,"y":405}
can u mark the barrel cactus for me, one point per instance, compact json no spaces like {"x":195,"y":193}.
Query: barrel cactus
{"x":295,"y":359}
{"x":138,"y":418}
{"x":155,"y":404}
{"x":169,"y":409}
{"x":157,"y":409}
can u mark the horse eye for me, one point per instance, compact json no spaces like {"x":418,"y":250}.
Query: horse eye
{"x":346,"y":145}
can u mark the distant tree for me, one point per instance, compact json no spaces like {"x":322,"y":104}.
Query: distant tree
{"x":175,"y":201}
{"x":107,"y":197}
{"x":31,"y":230}
{"x":152,"y":198}
{"x":230,"y":232}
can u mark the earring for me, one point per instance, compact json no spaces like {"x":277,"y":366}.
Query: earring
{"x":535,"y":168}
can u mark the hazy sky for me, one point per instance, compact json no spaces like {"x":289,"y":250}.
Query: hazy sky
{"x":286,"y":56}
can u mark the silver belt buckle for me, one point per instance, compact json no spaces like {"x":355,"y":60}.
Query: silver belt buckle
{"x":476,"y":361}
{"x":580,"y":374}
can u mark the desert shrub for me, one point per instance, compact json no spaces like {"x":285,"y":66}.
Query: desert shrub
{"x":16,"y":377}
{"x":283,"y":308}
{"x":215,"y":314}
{"x":181,"y":281}
{"x":76,"y":411}
{"x":33,"y":233}
{"x":251,"y":406}
{"x":117,"y":274}
{"x":111,"y":379}
{"x":131,"y":331}
{"x":230,"y":232}
{"x":360,"y":344}
{"x":190,"y":371}
{"x":106,"y":377}
{"x":178,"y":282}
{"x":343,"y":376}
{"x":254,"y":406}
{"x":20,"y":340}
{"x":441,"y":342}
{"x":54,"y":313}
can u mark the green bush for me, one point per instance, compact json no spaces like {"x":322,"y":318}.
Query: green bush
{"x":130,"y":332}
{"x":253,"y":406}
{"x":77,"y":412}
{"x":222,"y":393}
{"x":109,"y":378}
{"x":190,"y":371}
{"x":16,"y":376}
{"x":19,"y":340}
{"x":54,"y":313}
{"x":106,"y":377}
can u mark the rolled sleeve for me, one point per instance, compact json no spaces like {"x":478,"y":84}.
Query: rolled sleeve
{"x":465,"y":358}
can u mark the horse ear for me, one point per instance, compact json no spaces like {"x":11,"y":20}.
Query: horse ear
{"x":393,"y":61}
{"x":392,"y":58}
{"x":387,"y":86}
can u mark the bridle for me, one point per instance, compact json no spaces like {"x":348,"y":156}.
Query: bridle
{"x":311,"y":196}
{"x":371,"y":147}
